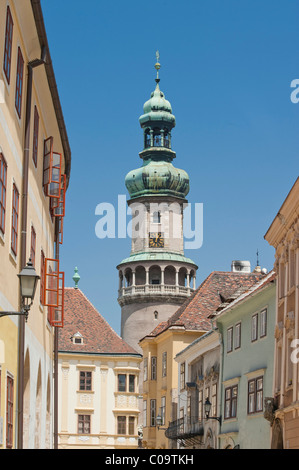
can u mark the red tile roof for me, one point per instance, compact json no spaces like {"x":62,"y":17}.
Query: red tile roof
{"x":243,"y":293}
{"x":195,"y":312}
{"x":98,"y":336}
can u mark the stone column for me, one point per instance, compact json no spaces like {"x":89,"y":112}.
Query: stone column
{"x":162,"y":279}
{"x":162,"y":137}
{"x":152,"y":137}
{"x":133,"y":281}
{"x":188,"y":281}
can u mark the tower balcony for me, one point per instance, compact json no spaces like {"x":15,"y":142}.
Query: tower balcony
{"x":146,"y":283}
{"x":155,"y":288}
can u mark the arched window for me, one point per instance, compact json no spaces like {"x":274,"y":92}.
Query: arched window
{"x":166,"y":140}
{"x":157,"y":138}
{"x":147,"y":139}
{"x":157,"y":217}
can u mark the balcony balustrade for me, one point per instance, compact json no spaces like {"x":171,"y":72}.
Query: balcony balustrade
{"x":155,"y":289}
{"x":185,"y":428}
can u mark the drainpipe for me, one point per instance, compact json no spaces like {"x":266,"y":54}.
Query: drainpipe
{"x":55,"y":418}
{"x":31,"y":65}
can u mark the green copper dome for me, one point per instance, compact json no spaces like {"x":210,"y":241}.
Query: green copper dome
{"x":157,"y":178}
{"x":157,"y":108}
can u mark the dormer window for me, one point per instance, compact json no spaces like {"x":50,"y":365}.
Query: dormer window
{"x":77,"y":338}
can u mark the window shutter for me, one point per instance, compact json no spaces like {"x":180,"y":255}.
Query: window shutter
{"x":60,"y":230}
{"x":54,"y":185}
{"x":58,"y":204}
{"x":48,"y":162}
{"x":57,"y":313}
{"x":51,"y":283}
{"x":52,"y":170}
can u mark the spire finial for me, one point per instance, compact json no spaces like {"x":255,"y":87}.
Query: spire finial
{"x":76,"y":278}
{"x":157,"y":65}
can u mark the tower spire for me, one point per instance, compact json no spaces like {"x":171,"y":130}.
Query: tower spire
{"x":157,"y":66}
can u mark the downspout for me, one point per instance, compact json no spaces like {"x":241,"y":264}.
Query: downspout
{"x":55,"y":418}
{"x":220,"y":378}
{"x":24,"y":210}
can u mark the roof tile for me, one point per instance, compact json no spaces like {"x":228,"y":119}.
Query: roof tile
{"x":219,"y":286}
{"x":98,"y":336}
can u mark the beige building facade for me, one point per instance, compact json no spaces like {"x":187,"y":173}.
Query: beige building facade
{"x":283,"y":235}
{"x":30,"y":113}
{"x":98,"y":381}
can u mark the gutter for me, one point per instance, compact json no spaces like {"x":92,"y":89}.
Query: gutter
{"x":42,"y":35}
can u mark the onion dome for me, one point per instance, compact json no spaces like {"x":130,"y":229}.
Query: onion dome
{"x":156,"y":109}
{"x":157,"y":178}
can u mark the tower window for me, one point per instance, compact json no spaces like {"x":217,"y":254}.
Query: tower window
{"x":157,"y":140}
{"x":166,"y":140}
{"x":147,"y":140}
{"x":155,"y":315}
{"x":157,"y":217}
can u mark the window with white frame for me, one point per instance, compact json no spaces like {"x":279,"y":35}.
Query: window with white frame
{"x":254,"y":327}
{"x":214,"y":400}
{"x":255,"y":395}
{"x":144,"y":413}
{"x":182,"y":376}
{"x":163,"y":409}
{"x":230,"y":405}
{"x":238,"y":336}
{"x":263,"y":321}
{"x":229,"y":339}
{"x":153,"y":412}
{"x":153,"y":368}
{"x":164,"y":364}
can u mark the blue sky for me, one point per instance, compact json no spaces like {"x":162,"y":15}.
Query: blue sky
{"x":226,"y":68}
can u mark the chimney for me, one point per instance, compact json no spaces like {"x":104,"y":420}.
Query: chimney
{"x":240,"y":266}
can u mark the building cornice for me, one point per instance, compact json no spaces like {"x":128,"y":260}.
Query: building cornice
{"x":42,"y":35}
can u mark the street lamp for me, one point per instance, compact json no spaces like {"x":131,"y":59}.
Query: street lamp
{"x":208,"y":405}
{"x":28,"y":282}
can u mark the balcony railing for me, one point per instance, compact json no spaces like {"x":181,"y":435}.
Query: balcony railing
{"x":185,"y":428}
{"x":155,"y":289}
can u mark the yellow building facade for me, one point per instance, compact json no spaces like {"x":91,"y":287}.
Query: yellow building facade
{"x":283,"y":235}
{"x":30,"y":113}
{"x":160,"y":382}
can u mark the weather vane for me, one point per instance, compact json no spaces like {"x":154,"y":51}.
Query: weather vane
{"x":157,"y":65}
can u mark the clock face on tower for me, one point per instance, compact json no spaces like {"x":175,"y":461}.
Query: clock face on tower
{"x":156,"y":240}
